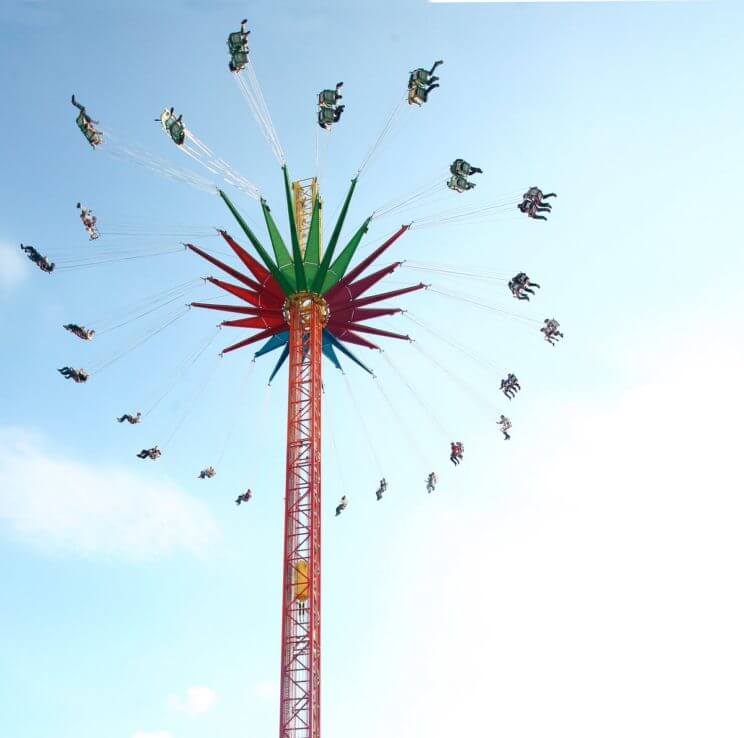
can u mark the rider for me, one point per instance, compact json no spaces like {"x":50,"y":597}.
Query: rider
{"x":41,"y":261}
{"x":327,"y":101}
{"x":77,"y":330}
{"x":79,"y":376}
{"x":535,"y":193}
{"x":149,"y":453}
{"x":431,"y":482}
{"x":421,"y":82}
{"x":521,"y":283}
{"x":245,"y":497}
{"x":510,"y":386}
{"x":89,"y":221}
{"x":342,"y":505}
{"x":460,"y":166}
{"x":532,"y":208}
{"x":505,"y":424}
{"x":207,"y":473}
{"x":381,"y":489}
{"x":131,"y":419}
{"x":550,"y":330}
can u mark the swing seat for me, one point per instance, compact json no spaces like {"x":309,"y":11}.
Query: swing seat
{"x":235,"y":42}
{"x":417,"y":94}
{"x":93,"y":136}
{"x":177,"y":131}
{"x":325,"y":117}
{"x":327,"y":98}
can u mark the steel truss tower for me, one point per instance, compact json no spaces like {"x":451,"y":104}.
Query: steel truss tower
{"x":307,"y":313}
{"x":309,"y":303}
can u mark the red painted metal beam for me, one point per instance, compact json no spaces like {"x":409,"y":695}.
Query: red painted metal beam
{"x":225,"y":268}
{"x":359,"y":268}
{"x":353,"y":290}
{"x":334,"y":328}
{"x":258,"y":322}
{"x":237,"y":309}
{"x":260,"y":272}
{"x":353,"y":314}
{"x":259,"y":299}
{"x":385,"y":295}
{"x":257,"y":337}
{"x":350,"y":337}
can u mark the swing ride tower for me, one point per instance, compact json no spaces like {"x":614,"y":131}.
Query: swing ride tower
{"x":299,"y":715}
{"x":306,"y":303}
{"x":309,"y":303}
{"x":306,"y":314}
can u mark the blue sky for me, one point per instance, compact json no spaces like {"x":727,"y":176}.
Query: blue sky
{"x":580,"y":579}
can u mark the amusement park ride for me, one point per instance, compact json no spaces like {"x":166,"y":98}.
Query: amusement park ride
{"x":309,"y":304}
{"x":305,"y":301}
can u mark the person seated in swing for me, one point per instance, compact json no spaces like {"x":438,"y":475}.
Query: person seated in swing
{"x":535,"y":194}
{"x":431,"y":482}
{"x":342,"y":505}
{"x":521,"y":283}
{"x":131,"y":419}
{"x":550,"y":330}
{"x":505,"y":424}
{"x":531,"y":209}
{"x":510,"y":385}
{"x":329,"y":98}
{"x":237,"y":44}
{"x":207,"y":473}
{"x":149,"y":453}
{"x":421,"y":82}
{"x":79,"y":376}
{"x":458,"y":183}
{"x":86,"y":334}
{"x":329,"y":112}
{"x":463,"y":168}
{"x":87,"y":125}
{"x":41,"y":261}
{"x":89,"y":221}
{"x":245,"y":497}
{"x":381,"y":489}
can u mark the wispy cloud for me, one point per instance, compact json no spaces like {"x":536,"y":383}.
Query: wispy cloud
{"x":594,"y":588}
{"x":196,"y":701}
{"x":13,"y":267}
{"x":61,"y":504}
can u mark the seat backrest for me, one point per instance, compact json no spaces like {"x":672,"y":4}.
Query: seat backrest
{"x":177,"y":132}
{"x":327,"y":97}
{"x":326,"y":115}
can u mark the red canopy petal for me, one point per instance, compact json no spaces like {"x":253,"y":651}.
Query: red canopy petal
{"x":260,"y":272}
{"x":258,"y":322}
{"x":237,"y":309}
{"x":359,"y":268}
{"x":351,"y":337}
{"x":257,"y":337}
{"x":225,"y":268}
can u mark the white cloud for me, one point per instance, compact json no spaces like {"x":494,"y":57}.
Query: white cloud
{"x":155,"y":734}
{"x":60,"y":504}
{"x":196,"y":701}
{"x":594,"y":588}
{"x":13,"y":267}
